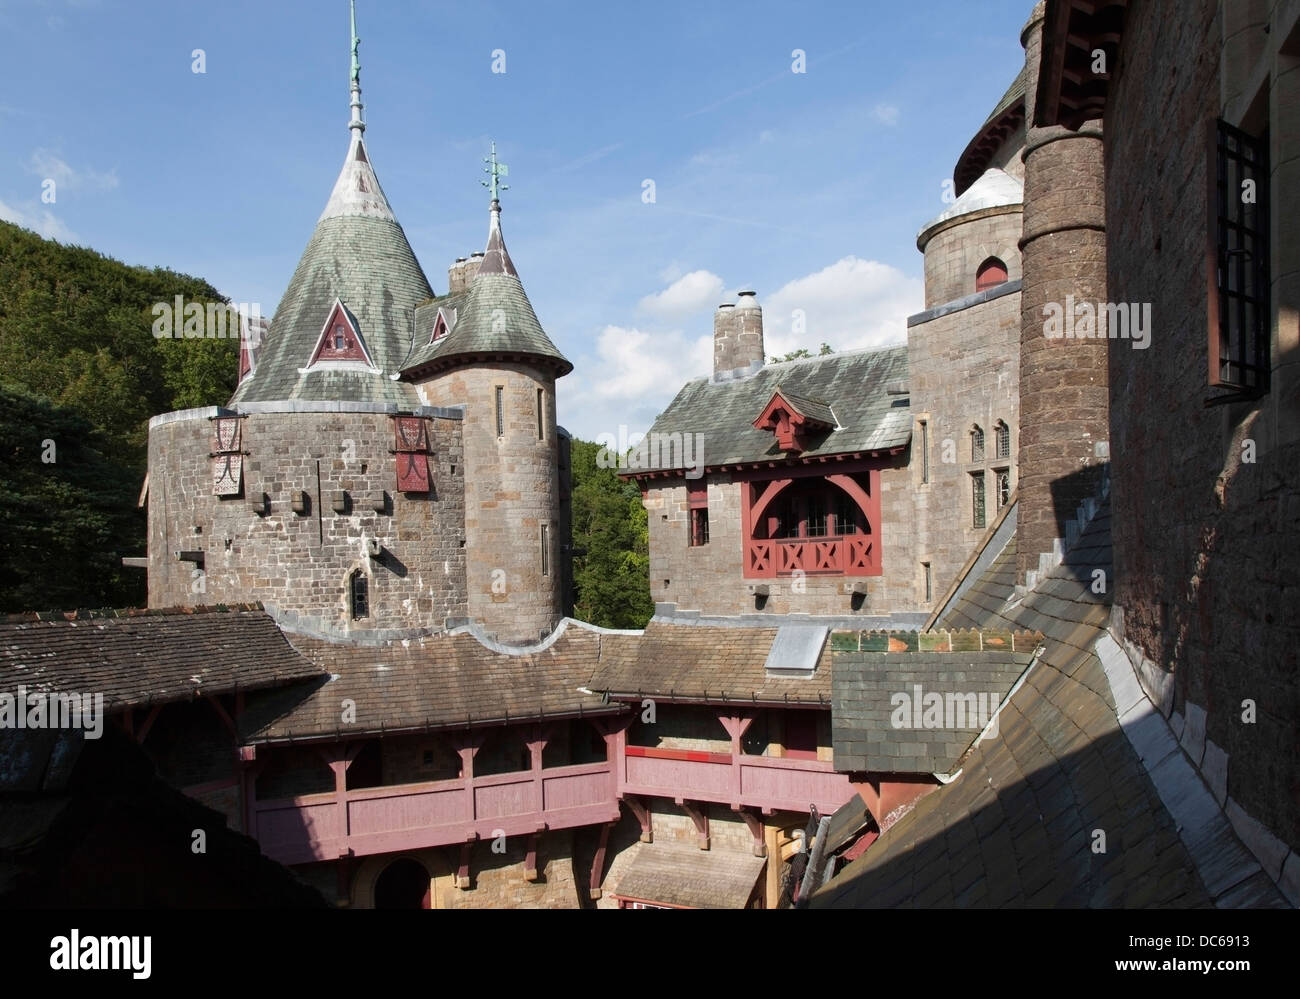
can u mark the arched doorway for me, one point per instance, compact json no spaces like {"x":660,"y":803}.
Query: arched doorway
{"x":403,"y":885}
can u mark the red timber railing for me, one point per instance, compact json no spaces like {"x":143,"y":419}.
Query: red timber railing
{"x":849,"y":555}
{"x":437,"y":813}
{"x":734,"y":779}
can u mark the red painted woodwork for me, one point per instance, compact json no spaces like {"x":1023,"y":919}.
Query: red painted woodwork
{"x":800,"y":735}
{"x":340,"y":339}
{"x":833,"y":555}
{"x":689,"y":755}
{"x":411,"y":454}
{"x":992,"y":272}
{"x":770,"y":783}
{"x":789,"y":425}
{"x":437,"y":813}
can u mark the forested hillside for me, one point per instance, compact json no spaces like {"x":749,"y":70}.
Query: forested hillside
{"x":81,"y":368}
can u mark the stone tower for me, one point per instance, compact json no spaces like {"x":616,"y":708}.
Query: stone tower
{"x":738,"y":338}
{"x":1064,"y":422}
{"x":487,"y":353}
{"x":323,"y":488}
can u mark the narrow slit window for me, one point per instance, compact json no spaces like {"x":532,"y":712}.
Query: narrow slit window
{"x":929,"y":582}
{"x":697,"y":500}
{"x":501,"y":411}
{"x":925,"y":451}
{"x":546,"y":550}
{"x":977,"y":499}
{"x":359,"y":595}
{"x":541,"y":409}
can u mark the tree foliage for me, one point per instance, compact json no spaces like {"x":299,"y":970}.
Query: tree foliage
{"x":612,"y":575}
{"x":803,"y":352}
{"x":77,"y":343}
{"x":67,"y":512}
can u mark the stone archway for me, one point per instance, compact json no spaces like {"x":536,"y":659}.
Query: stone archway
{"x":403,"y":884}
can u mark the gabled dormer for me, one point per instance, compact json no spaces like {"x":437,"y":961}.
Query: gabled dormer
{"x":340,"y":341}
{"x":443,"y":324}
{"x":794,"y":419}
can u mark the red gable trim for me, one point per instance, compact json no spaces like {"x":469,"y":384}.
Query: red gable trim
{"x":785,"y":420}
{"x":342,"y":327}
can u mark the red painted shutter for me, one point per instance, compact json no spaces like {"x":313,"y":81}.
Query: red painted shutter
{"x":227,"y":460}
{"x":412,"y":454}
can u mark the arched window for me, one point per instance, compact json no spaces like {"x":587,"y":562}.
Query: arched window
{"x":992,"y":271}
{"x":977,"y":443}
{"x":359,"y":595}
{"x":1002,"y":436}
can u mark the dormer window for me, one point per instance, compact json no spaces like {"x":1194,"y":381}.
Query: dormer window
{"x":340,"y":339}
{"x":793,"y":419}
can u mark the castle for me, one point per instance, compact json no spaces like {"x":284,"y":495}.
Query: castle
{"x":359,"y":564}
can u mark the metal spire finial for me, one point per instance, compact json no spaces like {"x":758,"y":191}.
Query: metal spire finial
{"x":357,"y":121}
{"x":495,"y":172}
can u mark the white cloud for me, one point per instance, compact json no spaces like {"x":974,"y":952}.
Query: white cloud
{"x":47,"y":165}
{"x":631,"y":379}
{"x":689,"y":294}
{"x":853,"y":303}
{"x":886,"y":114}
{"x":39,"y":220}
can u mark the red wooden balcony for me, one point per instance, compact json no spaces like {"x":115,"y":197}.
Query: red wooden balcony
{"x":437,"y":813}
{"x":734,"y":779}
{"x":848,"y":555}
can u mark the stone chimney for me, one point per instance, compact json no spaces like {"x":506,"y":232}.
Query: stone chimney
{"x":461,"y":273}
{"x":738,"y":338}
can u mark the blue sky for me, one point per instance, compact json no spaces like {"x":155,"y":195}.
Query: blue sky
{"x":808,"y":187}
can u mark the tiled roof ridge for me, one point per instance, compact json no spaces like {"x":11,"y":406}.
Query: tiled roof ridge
{"x":899,"y":640}
{"x":115,"y":613}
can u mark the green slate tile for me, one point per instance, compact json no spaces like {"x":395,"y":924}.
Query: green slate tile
{"x":844,"y":641}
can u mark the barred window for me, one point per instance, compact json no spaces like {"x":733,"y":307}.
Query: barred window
{"x":816,"y":517}
{"x":1240,"y":314}
{"x":977,"y":444}
{"x":501,"y":411}
{"x":977,"y":499}
{"x":1003,"y":486}
{"x":1002,"y":435}
{"x":925,"y":451}
{"x":359,"y":595}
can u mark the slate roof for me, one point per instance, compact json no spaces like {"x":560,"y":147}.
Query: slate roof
{"x":150,"y":658}
{"x":853,"y":384}
{"x":864,"y":685}
{"x":1016,"y":827}
{"x":432,"y":682}
{"x":689,"y":877}
{"x":360,"y":255}
{"x":980,"y":606}
{"x":706,"y":664}
{"x":494,"y":318}
{"x":812,"y":408}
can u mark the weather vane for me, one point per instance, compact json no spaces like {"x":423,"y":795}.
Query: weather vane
{"x":495,"y":171}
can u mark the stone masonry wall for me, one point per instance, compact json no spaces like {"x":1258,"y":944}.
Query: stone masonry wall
{"x":709,"y":578}
{"x":953,"y":255}
{"x":511,"y":491}
{"x":964,"y":370}
{"x":1206,"y":542}
{"x":301,"y":562}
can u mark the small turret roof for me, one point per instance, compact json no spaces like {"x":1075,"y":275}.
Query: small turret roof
{"x":995,"y":189}
{"x":494,"y":317}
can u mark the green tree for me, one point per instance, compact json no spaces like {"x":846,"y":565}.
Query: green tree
{"x":77,"y":344}
{"x":67,"y":512}
{"x":612,"y":575}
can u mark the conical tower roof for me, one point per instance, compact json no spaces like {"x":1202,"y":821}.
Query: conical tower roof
{"x":358,"y":257}
{"x":494,"y":318}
